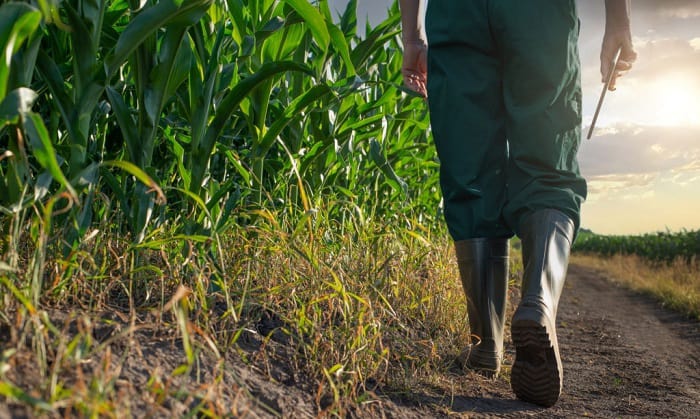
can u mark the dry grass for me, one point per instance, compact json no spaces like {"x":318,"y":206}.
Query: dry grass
{"x":677,"y":285}
{"x":351,"y":313}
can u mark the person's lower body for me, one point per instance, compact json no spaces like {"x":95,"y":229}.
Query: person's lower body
{"x":505,"y":101}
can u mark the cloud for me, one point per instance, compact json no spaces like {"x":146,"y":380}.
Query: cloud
{"x":621,"y":187}
{"x":638,"y":150}
{"x":629,"y":161}
{"x":695,"y":44}
{"x":662,"y":29}
{"x":657,"y":56}
{"x":687,"y":174}
{"x":643,"y":178}
{"x":658,"y":53}
{"x":663,"y":87}
{"x":692,"y":167}
{"x":619,"y":182}
{"x":680,"y":12}
{"x":646,"y":14}
{"x":682,"y":9}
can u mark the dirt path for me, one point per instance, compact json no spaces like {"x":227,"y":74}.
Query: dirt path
{"x":623,"y":355}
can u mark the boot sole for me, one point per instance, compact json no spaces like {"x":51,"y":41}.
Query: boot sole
{"x":536,"y":376}
{"x":487,"y":363}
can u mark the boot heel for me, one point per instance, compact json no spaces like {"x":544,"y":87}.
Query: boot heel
{"x":486,"y":363}
{"x":536,"y":376}
{"x":528,"y":333}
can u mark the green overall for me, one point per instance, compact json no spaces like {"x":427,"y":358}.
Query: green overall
{"x":504,"y":93}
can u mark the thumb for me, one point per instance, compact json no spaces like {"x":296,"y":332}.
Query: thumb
{"x":627,"y":52}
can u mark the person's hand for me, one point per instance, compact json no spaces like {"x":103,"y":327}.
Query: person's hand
{"x":415,"y":66}
{"x":616,"y":39}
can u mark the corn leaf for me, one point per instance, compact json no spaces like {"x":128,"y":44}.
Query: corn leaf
{"x":43,"y":150}
{"x":17,"y":23}
{"x":292,"y":111}
{"x":228,"y":105}
{"x":16,"y":103}
{"x":314,"y":20}
{"x":150,"y":20}
{"x":140,"y":175}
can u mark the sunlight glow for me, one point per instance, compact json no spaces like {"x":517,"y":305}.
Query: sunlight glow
{"x":677,"y":101}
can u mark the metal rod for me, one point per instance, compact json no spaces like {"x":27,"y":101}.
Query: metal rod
{"x":602,"y":94}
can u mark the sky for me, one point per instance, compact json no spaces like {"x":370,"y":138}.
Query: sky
{"x":643,"y":162}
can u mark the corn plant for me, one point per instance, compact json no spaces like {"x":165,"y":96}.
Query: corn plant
{"x":663,"y":247}
{"x":254,"y":120}
{"x":234,"y":104}
{"x":327,"y":125}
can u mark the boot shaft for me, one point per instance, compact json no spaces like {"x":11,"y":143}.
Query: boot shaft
{"x":547,"y":236}
{"x":483,"y":266}
{"x":482,"y":263}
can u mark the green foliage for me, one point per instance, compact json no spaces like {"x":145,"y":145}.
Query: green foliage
{"x":256,"y":117}
{"x":659,"y":247}
{"x":228,"y":105}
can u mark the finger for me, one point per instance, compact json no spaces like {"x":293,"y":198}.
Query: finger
{"x":416,"y":85}
{"x":628,"y":54}
{"x":623,"y":65}
{"x":604,"y":71}
{"x":422,"y":89}
{"x":414,"y":79}
{"x":606,"y":65}
{"x":607,"y":57}
{"x":410,"y":71}
{"x":613,"y":82}
{"x":419,"y":87}
{"x":620,"y":68}
{"x":620,"y":71}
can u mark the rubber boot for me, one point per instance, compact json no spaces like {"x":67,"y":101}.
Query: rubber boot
{"x":537,"y":373}
{"x":483,"y":267}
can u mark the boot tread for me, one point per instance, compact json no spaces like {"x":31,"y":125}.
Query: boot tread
{"x":535,"y":382}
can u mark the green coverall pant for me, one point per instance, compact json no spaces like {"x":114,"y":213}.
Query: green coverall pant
{"x":504,"y":94}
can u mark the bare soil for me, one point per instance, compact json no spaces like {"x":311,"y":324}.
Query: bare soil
{"x":624,"y":356}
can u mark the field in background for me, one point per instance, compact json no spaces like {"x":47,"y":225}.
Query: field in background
{"x":665,"y":265}
{"x":657,"y":248}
